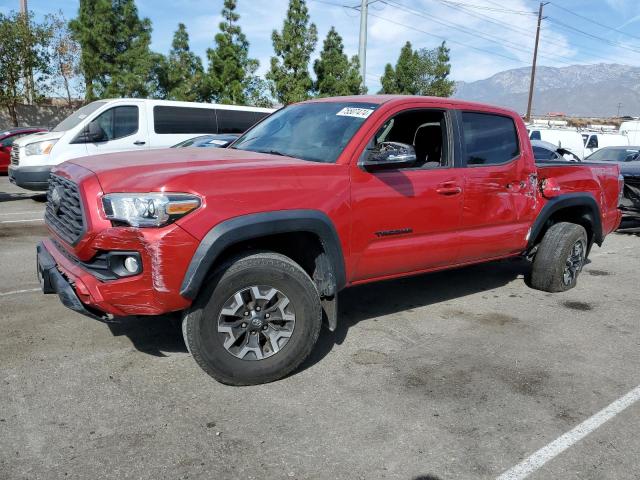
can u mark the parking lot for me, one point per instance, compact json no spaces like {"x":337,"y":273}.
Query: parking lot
{"x":456,"y":375}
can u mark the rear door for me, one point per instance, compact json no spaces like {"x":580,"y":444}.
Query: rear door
{"x":407,"y":219}
{"x":125,"y":127}
{"x":498,"y":187}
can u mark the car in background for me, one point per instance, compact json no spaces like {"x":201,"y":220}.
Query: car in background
{"x":629,"y":160}
{"x":594,"y":141}
{"x":7,"y":137}
{"x":615,"y":154}
{"x":209,"y":141}
{"x":123,"y":124}
{"x":567,"y":138}
{"x":548,"y":152}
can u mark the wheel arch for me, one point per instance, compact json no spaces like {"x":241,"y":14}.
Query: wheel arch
{"x":579,"y":208}
{"x":329,"y":271}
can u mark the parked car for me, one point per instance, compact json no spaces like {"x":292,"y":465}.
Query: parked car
{"x":108,"y":126}
{"x":252,"y":243}
{"x":632,"y":130}
{"x":209,"y":141}
{"x":545,"y":152}
{"x":567,"y":138}
{"x":631,"y":197}
{"x":615,"y":154}
{"x":595,"y":141}
{"x":629,"y":160}
{"x":7,"y":137}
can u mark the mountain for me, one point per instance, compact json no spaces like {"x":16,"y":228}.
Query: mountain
{"x":578,"y":90}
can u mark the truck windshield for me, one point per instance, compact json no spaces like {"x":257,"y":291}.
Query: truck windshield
{"x":316,"y":131}
{"x":76,"y":117}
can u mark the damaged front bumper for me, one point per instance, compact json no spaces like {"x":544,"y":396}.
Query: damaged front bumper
{"x":164,"y":255}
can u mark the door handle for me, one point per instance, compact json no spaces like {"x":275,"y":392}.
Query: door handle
{"x":449,"y":190}
{"x":139,"y":142}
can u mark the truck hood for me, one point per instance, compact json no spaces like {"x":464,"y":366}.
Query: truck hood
{"x":38,"y":137}
{"x":174,"y":169}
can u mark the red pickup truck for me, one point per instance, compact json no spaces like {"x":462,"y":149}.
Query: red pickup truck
{"x":254,"y":242}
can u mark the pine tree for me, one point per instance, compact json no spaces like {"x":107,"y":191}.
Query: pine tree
{"x":336,"y":75}
{"x":419,"y":72}
{"x":116,"y":59}
{"x":441,"y":86}
{"x":92,"y":29}
{"x":180,"y":75}
{"x":230,"y":68}
{"x":289,"y":73}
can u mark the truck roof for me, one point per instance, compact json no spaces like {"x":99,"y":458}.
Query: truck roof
{"x":391,"y":99}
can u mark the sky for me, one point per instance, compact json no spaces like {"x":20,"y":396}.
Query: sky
{"x":485,"y":36}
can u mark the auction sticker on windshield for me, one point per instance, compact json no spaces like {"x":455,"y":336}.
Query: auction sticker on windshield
{"x":355,"y":112}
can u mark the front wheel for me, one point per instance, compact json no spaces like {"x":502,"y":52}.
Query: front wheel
{"x":257,"y":320}
{"x":560,"y":258}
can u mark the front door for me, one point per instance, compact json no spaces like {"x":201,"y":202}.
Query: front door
{"x":406,"y":220}
{"x":125,"y":129}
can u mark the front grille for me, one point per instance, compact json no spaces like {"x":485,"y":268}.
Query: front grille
{"x":15,"y":155}
{"x":64,"y":209}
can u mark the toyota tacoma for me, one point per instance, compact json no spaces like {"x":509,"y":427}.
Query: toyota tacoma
{"x":253,"y":243}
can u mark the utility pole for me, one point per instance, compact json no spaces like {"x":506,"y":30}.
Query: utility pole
{"x":362,"y":52}
{"x":28,"y":78}
{"x":619,"y":106}
{"x":535,"y":59}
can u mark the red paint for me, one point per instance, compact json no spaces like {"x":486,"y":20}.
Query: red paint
{"x":5,"y":152}
{"x":447,"y":217}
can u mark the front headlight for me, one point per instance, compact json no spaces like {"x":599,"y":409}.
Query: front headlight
{"x":40,"y":148}
{"x":148,"y":209}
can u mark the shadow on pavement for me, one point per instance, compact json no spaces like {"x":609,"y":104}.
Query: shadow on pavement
{"x":11,"y":197}
{"x":151,"y":335}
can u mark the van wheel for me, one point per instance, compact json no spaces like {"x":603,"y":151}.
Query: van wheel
{"x":256,"y":321}
{"x":560,"y":258}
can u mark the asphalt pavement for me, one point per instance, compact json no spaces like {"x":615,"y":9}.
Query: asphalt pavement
{"x":456,"y":375}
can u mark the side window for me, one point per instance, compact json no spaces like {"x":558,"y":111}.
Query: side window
{"x":237,"y":121}
{"x":184,"y":120}
{"x":535,"y":135}
{"x":593,"y":142}
{"x":540,"y":153}
{"x":119,"y":122}
{"x":489,"y":139}
{"x":423,"y":129}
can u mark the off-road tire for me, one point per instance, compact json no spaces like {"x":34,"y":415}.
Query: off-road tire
{"x":548,"y":271}
{"x":200,"y":323}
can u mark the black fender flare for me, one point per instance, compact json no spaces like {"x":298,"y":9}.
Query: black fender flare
{"x":561,"y":202}
{"x":247,"y":227}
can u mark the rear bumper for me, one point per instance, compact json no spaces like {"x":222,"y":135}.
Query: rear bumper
{"x":30,"y":178}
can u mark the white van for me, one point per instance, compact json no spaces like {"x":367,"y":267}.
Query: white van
{"x":566,"y":138}
{"x":106,"y":126}
{"x":595,"y":141}
{"x":632,"y":130}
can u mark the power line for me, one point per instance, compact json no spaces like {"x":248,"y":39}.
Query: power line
{"x":608,"y":27}
{"x":492,"y":9}
{"x":587,"y":34}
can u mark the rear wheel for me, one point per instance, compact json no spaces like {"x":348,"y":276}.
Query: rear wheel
{"x":560,"y":258}
{"x":257,"y":321}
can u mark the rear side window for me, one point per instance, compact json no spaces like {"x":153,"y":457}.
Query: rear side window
{"x":540,"y":153}
{"x":236,"y":121}
{"x":489,"y":139}
{"x":119,"y":122}
{"x":184,"y":120}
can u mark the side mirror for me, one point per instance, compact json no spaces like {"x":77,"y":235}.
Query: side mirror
{"x":390,"y":155}
{"x":92,"y":133}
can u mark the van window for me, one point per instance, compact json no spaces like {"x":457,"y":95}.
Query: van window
{"x":237,"y":121}
{"x":593,"y":142}
{"x":76,"y":117}
{"x":184,"y":120}
{"x":489,"y":139}
{"x":119,"y":122}
{"x":535,"y":135}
